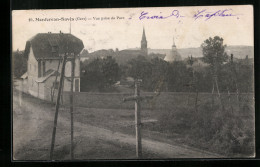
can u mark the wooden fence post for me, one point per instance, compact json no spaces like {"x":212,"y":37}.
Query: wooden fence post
{"x":137,"y":98}
{"x":229,"y":100}
{"x":212,"y":96}
{"x":57,"y":106}
{"x":72,"y":105}
{"x":53,"y":87}
{"x":138,"y":122}
{"x":196,"y":101}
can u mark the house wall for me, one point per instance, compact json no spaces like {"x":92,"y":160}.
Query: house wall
{"x":77,"y":74}
{"x":48,"y":88}
{"x":32,"y":70}
{"x":32,"y":65}
{"x":52,"y":64}
{"x":77,"y":66}
{"x":67,"y":83}
{"x":43,"y":90}
{"x":25,"y":85}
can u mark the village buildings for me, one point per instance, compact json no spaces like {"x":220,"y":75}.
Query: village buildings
{"x":44,"y":53}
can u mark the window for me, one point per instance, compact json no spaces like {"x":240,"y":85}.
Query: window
{"x":43,"y":67}
{"x":39,"y":69}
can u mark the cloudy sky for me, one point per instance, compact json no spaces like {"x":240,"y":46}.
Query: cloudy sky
{"x":125,"y":30}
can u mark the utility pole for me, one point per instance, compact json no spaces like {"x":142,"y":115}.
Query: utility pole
{"x":215,"y":81}
{"x":137,"y":98}
{"x":53,"y":87}
{"x":72,"y":104}
{"x":234,"y":72}
{"x":190,"y":62}
{"x":229,"y":100}
{"x":57,"y":106}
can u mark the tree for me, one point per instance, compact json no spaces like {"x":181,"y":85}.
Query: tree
{"x":110,"y":71}
{"x":215,"y":55}
{"x":19,"y":64}
{"x":177,"y":76}
{"x":99,"y":74}
{"x":140,"y":68}
{"x":158,"y":74}
{"x":214,"y":52}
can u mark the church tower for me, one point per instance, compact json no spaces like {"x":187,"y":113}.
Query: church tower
{"x":144,"y":43}
{"x":174,"y":55}
{"x":173,"y":45}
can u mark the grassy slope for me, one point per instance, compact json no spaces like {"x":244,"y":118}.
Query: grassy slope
{"x":229,"y":131}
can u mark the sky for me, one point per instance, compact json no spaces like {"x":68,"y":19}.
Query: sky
{"x":125,"y":30}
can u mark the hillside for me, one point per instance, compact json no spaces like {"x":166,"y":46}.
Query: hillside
{"x":123,"y":56}
{"x":238,"y":51}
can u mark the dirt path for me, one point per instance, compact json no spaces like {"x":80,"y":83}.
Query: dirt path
{"x":32,"y":127}
{"x":159,"y":148}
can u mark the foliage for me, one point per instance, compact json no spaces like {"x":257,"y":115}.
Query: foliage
{"x":139,"y":68}
{"x":214,"y":52}
{"x":223,"y":132}
{"x":99,"y":74}
{"x":19,"y":64}
{"x":159,"y":75}
{"x":178,"y":77}
{"x":152,"y":72}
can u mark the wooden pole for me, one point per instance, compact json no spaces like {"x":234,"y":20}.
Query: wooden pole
{"x":138,"y":122}
{"x":229,"y":100}
{"x":52,"y":93}
{"x":191,"y":84}
{"x":137,"y":98}
{"x":71,"y":106}
{"x":221,"y":103}
{"x":212,"y":95}
{"x":57,"y":106}
{"x":215,"y":77}
{"x":196,"y":101}
{"x":62,"y":89}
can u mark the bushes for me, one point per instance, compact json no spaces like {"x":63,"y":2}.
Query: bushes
{"x":99,"y":75}
{"x":159,"y":75}
{"x":212,"y":128}
{"x":19,"y":64}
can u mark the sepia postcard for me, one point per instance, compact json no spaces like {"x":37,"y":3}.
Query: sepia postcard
{"x":133,"y":83}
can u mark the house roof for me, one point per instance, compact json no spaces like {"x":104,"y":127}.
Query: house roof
{"x":174,"y":55}
{"x":50,"y":45}
{"x":48,"y":73}
{"x":24,"y":76}
{"x":131,"y":52}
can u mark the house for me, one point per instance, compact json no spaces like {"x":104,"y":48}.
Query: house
{"x":44,"y":53}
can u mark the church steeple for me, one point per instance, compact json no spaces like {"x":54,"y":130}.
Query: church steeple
{"x":143,"y":37}
{"x":144,"y":43}
{"x":173,"y":44}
